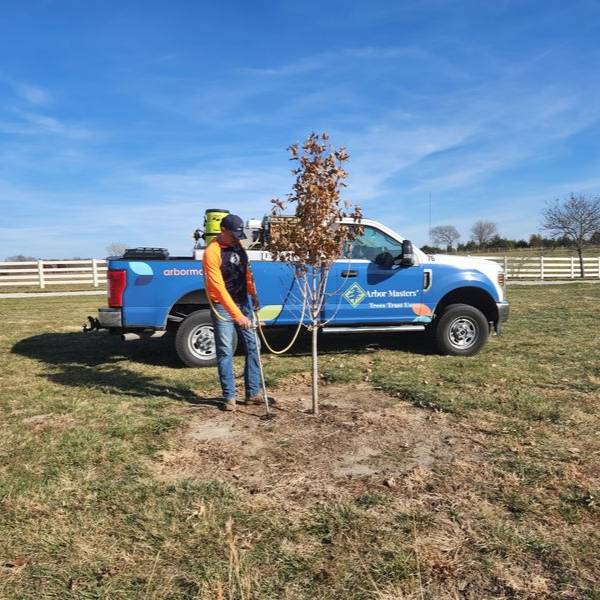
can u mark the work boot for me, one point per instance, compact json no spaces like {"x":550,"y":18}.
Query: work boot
{"x":259,"y":399}
{"x":229,"y":405}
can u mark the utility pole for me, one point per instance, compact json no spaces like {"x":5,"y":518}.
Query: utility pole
{"x":429,"y":230}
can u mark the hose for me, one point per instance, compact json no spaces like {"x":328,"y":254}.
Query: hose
{"x":294,"y":338}
{"x":260,"y":326}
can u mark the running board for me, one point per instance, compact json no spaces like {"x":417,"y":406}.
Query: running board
{"x":388,"y":329}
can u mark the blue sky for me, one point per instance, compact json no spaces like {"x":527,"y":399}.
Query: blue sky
{"x":123,"y":121}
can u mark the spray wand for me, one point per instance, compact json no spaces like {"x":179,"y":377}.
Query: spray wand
{"x":255,"y":325}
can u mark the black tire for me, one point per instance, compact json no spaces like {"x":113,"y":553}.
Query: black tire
{"x":194,"y":340}
{"x":461,"y":330}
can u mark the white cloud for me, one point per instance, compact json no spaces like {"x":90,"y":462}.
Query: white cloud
{"x":299,"y":67}
{"x":33,"y":94}
{"x":32,"y":123}
{"x":403,"y":141}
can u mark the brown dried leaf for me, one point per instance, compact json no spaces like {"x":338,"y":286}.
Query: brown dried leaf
{"x":20,"y":561}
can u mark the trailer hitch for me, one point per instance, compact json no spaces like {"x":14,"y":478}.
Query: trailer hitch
{"x":93,"y":324}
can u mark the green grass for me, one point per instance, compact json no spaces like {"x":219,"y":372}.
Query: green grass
{"x":513,"y":514}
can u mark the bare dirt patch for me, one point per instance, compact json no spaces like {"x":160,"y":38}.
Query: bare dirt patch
{"x":48,"y":422}
{"x":362,"y":438}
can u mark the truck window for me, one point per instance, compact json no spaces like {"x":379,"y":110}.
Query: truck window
{"x":370,"y":244}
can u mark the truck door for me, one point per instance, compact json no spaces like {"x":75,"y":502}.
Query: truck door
{"x":278,"y":290}
{"x":361,"y":289}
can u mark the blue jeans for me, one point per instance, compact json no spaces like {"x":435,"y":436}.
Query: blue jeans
{"x":224,"y":342}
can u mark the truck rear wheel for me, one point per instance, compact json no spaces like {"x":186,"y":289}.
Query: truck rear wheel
{"x":195,"y":340}
{"x":461,"y":330}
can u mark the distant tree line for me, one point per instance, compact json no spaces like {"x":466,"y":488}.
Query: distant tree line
{"x":20,"y":258}
{"x":25,"y":258}
{"x":497,"y":242}
{"x":571,"y":223}
{"x":484,"y":236}
{"x":113,"y":249}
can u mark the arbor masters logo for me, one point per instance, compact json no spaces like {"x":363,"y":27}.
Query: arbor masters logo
{"x":354,"y":295}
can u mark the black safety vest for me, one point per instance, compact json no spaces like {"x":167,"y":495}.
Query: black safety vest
{"x":234,"y":266}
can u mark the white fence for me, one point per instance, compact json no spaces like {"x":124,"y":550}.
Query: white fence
{"x":92,"y":272}
{"x":42,"y":273}
{"x":547,"y":267}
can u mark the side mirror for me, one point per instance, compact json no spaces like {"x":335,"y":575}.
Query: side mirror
{"x":408,"y":258}
{"x":385,"y":260}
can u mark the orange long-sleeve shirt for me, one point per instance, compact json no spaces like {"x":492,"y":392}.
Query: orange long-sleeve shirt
{"x":216,"y":287}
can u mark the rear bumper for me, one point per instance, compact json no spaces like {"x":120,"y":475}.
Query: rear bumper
{"x":110,"y":317}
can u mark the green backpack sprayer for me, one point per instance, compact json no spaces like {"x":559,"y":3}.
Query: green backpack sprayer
{"x":212,"y":225}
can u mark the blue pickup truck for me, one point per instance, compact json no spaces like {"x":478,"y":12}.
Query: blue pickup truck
{"x":379,"y":284}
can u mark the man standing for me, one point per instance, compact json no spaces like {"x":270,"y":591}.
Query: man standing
{"x":229,"y":283}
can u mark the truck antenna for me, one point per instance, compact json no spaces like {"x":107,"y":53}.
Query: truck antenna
{"x":429,"y":230}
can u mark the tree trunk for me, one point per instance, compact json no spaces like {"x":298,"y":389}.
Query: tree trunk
{"x":314,"y":314}
{"x":315,"y":372}
{"x":580,"y":253}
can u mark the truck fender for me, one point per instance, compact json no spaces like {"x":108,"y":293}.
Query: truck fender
{"x":189,"y":302}
{"x":472,"y":295}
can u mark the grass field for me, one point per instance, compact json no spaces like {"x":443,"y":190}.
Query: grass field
{"x":425,"y":477}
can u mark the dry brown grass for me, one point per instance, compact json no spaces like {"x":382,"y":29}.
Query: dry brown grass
{"x":362,"y":438}
{"x":425,"y":477}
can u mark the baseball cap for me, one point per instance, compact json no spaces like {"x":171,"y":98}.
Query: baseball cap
{"x":235,"y":226}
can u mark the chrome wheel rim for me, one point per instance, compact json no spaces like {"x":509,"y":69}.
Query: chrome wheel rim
{"x":201,"y":342}
{"x":463,"y":333}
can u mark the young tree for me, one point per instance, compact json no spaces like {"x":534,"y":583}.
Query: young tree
{"x":483,"y":231}
{"x":311,"y":240}
{"x":445,"y":235}
{"x":576,"y":219}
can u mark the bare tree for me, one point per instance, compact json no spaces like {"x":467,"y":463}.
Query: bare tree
{"x":483,"y":231}
{"x":576,"y":219}
{"x":444,"y":234}
{"x":311,"y":240}
{"x":116,"y":249}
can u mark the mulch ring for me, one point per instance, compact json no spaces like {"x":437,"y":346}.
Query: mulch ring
{"x":363,"y":438}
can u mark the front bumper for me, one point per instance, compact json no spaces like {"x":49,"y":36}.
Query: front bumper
{"x":503,"y":312}
{"x":110,"y":318}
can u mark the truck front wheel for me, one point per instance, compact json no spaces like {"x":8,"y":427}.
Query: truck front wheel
{"x":195,"y":340}
{"x":461,"y":330}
